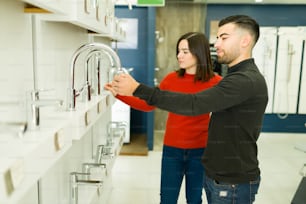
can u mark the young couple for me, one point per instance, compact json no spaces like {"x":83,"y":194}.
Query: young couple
{"x":227,"y":166}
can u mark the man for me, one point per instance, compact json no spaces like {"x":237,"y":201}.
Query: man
{"x":237,"y":104}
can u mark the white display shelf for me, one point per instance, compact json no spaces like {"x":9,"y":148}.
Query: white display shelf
{"x":24,"y":160}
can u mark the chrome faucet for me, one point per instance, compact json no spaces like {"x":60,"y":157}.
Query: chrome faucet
{"x":86,"y":89}
{"x":87,"y":166}
{"x":116,"y":128}
{"x":98,"y":156}
{"x":16,"y":127}
{"x":34,"y":104}
{"x":114,"y":60}
{"x":103,"y":152}
{"x":75,"y":182}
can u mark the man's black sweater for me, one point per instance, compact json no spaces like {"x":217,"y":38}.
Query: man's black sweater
{"x":237,"y":104}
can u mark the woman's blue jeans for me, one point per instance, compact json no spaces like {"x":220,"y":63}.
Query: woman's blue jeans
{"x":222,"y":193}
{"x":177,"y":163}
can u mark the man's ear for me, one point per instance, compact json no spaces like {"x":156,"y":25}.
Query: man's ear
{"x":246,"y":40}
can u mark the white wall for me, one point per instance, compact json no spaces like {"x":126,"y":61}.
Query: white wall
{"x":56,"y":42}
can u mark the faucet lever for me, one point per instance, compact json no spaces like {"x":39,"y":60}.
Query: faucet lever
{"x":75,"y":182}
{"x":33,"y":105}
{"x":87,"y":166}
{"x":103,"y":151}
{"x":17,"y":127}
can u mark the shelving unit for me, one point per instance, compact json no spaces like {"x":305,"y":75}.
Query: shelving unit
{"x":36,"y":166}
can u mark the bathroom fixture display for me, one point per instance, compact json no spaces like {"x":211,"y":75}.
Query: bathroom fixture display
{"x":94,"y":59}
{"x":98,"y":157}
{"x":86,"y":167}
{"x":107,"y":152}
{"x":109,"y":140}
{"x":15,"y":127}
{"x":108,"y":51}
{"x":121,"y":112}
{"x":88,"y":85}
{"x":34,"y":103}
{"x":75,"y":182}
{"x":103,"y":152}
{"x":116,"y":128}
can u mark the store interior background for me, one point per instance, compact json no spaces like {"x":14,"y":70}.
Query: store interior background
{"x":152,"y":61}
{"x":58,"y":40}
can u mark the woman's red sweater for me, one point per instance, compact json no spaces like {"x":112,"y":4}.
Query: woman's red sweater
{"x":184,"y":132}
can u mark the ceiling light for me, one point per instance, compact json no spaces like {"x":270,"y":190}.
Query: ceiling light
{"x":258,"y":1}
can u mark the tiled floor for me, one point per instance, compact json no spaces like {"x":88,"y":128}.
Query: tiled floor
{"x":136,"y":178}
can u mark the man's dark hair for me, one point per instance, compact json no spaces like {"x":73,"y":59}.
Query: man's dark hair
{"x":244,"y":22}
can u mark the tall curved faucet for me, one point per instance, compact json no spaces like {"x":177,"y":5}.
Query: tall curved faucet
{"x":112,"y":55}
{"x":87,"y":86}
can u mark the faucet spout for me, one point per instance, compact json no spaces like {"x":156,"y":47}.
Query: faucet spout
{"x":112,"y":55}
{"x":88,"y":85}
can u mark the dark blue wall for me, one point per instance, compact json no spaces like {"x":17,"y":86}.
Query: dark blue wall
{"x":142,"y":60}
{"x":267,"y":15}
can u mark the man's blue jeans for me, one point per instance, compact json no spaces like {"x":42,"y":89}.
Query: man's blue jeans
{"x":177,"y":163}
{"x":221,"y":193}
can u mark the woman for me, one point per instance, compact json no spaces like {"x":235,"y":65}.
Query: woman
{"x":185,"y":136}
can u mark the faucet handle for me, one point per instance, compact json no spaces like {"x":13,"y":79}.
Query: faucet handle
{"x":75,"y":181}
{"x":37,"y":91}
{"x":35,"y":94}
{"x":74,"y":176}
{"x":116,"y":128}
{"x":116,"y":71}
{"x":78,"y":173}
{"x":121,"y":70}
{"x":87,"y":166}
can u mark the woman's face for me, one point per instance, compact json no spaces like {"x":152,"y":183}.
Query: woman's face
{"x":185,"y":59}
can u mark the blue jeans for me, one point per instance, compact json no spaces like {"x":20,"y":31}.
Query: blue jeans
{"x":177,"y":163}
{"x":221,"y":193}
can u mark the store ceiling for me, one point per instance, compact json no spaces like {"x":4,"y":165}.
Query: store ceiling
{"x":238,"y":1}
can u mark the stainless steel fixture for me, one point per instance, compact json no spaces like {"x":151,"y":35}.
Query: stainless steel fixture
{"x":87,"y":88}
{"x":86,"y":167}
{"x":115,"y":129}
{"x":103,"y":152}
{"x":108,"y":51}
{"x":33,"y":105}
{"x":75,"y":182}
{"x":16,"y":127}
{"x":98,"y":156}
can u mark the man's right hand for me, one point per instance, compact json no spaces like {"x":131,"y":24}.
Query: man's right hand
{"x":124,"y":84}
